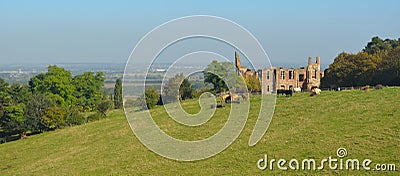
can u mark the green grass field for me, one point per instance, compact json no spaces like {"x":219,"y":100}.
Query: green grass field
{"x":367,"y":124}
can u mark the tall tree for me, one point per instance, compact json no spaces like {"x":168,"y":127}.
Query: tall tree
{"x":3,"y":95}
{"x":35,"y":109}
{"x":389,"y":68}
{"x":20,"y":93}
{"x":88,"y":89}
{"x":170,"y":90}
{"x":214,"y":74}
{"x":177,"y":88}
{"x":57,"y":83}
{"x":351,"y":70}
{"x":12,"y":117}
{"x":3,"y":85}
{"x":151,"y":97}
{"x":253,"y":83}
{"x":378,"y":63}
{"x":118,"y":100}
{"x":220,"y":73}
{"x":376,"y":46}
{"x":186,"y":90}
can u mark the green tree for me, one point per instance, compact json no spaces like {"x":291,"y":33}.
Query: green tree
{"x":35,"y":109}
{"x":389,"y":68}
{"x":118,"y":100}
{"x":253,"y":83}
{"x":57,"y":83}
{"x":378,"y":63}
{"x":3,"y":85}
{"x":186,"y":90}
{"x":376,"y":46}
{"x":220,"y":73}
{"x":214,"y":74}
{"x":3,"y":95}
{"x":380,"y":47}
{"x":151,"y":97}
{"x":177,"y":88}
{"x":351,"y":70}
{"x":20,"y":93}
{"x":12,"y":118}
{"x":88,"y":89}
{"x":170,"y":91}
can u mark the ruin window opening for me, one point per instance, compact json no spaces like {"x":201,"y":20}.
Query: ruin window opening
{"x":291,"y":74}
{"x":301,"y":77}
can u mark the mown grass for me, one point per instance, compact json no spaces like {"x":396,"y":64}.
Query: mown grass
{"x":367,"y":124}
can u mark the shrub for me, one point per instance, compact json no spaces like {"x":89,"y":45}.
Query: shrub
{"x":53,"y":118}
{"x":95,"y":116}
{"x":75,"y":118}
{"x":104,"y":106}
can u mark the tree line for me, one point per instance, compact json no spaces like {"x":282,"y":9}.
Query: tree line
{"x":377,"y":63}
{"x":54,"y":100}
{"x":177,"y":88}
{"x":216,"y":74}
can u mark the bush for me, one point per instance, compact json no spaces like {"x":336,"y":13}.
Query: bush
{"x":53,"y":118}
{"x":104,"y":106}
{"x":95,"y":116}
{"x":75,"y":118}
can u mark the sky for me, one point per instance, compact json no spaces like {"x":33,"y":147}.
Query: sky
{"x":45,"y":31}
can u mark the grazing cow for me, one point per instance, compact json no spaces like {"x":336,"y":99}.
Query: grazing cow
{"x":229,"y":98}
{"x":244,"y":96}
{"x":379,"y":86}
{"x":365,"y":88}
{"x":315,"y":91}
{"x":297,"y":89}
{"x":286,"y":92}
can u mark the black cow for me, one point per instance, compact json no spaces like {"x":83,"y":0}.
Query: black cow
{"x":286,"y":92}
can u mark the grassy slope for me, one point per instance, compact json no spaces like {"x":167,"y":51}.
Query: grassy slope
{"x":367,"y":124}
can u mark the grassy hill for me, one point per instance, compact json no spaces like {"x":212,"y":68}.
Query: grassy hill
{"x":367,"y":124}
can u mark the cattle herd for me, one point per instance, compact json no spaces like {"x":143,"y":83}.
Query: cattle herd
{"x":228,"y":97}
{"x":314,"y":91}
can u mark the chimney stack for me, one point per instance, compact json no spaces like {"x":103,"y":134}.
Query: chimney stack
{"x":309,"y":60}
{"x":318,"y":60}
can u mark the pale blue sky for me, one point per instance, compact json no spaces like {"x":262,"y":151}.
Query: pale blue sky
{"x":46,"y":31}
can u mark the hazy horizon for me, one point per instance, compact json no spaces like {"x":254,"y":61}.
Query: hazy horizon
{"x":106,"y":32}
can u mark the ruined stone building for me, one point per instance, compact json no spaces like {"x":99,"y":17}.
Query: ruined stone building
{"x":275,"y":78}
{"x":242,"y":71}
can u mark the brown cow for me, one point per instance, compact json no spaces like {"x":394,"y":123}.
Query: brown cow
{"x":365,"y":88}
